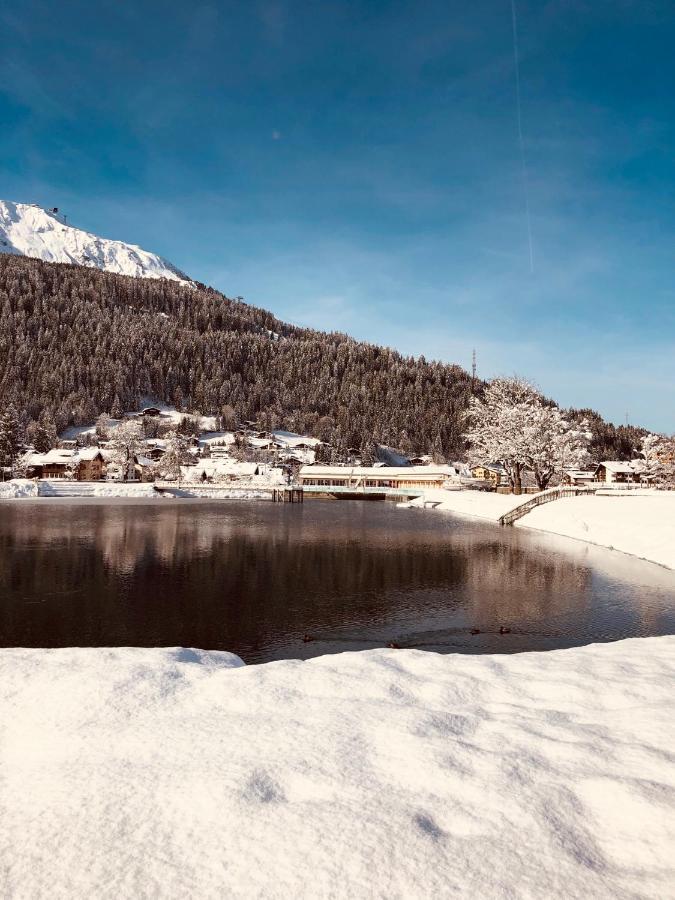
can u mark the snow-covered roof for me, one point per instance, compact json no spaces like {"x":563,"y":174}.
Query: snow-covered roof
{"x":618,"y":466}
{"x":217,"y":437}
{"x":289,"y":439}
{"x":88,"y":453}
{"x":62,"y":456}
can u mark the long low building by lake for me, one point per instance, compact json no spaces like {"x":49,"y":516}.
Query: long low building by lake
{"x":363,"y":477}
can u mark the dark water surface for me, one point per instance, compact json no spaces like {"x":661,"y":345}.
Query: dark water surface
{"x":255,"y":577}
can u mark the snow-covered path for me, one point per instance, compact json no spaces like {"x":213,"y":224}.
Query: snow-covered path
{"x":168,"y":773}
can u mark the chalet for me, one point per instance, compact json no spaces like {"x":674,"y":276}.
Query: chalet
{"x":91,"y":465}
{"x":491,"y":472}
{"x":421,"y":460}
{"x":87,"y":464}
{"x":617,"y":472}
{"x":151,"y":412}
{"x":360,"y":478}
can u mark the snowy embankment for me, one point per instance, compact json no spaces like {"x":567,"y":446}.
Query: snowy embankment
{"x":481,"y":504}
{"x":18,"y":487}
{"x":159,"y":772}
{"x":252,"y":489}
{"x":640,"y":524}
{"x":75,"y":489}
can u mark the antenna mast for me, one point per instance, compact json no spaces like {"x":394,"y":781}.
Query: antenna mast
{"x":473,"y":369}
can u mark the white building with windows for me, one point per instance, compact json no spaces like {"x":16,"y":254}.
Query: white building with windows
{"x":360,"y":478}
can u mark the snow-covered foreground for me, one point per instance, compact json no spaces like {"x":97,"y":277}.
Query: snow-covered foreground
{"x":171,"y":773}
{"x":643,"y":525}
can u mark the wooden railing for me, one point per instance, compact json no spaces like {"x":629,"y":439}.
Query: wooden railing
{"x":545,"y":497}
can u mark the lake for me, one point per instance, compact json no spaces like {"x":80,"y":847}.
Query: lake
{"x":257,"y":578}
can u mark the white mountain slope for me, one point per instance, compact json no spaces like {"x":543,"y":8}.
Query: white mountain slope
{"x":29,"y":230}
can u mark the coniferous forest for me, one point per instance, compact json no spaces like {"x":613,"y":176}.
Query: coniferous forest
{"x":76,"y":342}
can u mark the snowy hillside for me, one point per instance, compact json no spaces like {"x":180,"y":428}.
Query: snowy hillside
{"x":29,"y":230}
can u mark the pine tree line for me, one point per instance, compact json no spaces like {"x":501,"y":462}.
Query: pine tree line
{"x":75,"y":342}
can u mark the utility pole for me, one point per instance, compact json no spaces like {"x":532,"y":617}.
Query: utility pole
{"x":473,"y":369}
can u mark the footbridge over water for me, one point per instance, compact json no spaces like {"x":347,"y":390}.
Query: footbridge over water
{"x":557,"y":493}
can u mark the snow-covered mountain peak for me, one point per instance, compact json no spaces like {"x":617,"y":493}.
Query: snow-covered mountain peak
{"x":30,"y":230}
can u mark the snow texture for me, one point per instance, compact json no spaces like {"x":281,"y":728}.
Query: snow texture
{"x":29,"y":230}
{"x":133,"y":773}
{"x":57,"y":487}
{"x":481,"y":504}
{"x":18,"y":487}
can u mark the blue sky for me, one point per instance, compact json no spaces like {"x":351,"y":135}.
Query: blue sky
{"x":356,"y":166}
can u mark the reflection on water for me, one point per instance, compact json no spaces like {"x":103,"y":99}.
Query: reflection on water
{"x":254,"y":578}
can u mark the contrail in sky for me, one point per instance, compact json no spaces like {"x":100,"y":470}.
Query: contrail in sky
{"x":516,"y":60}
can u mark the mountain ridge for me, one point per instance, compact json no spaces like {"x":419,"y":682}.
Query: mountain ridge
{"x":27,"y":229}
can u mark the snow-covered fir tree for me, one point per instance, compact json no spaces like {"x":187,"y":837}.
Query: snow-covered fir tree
{"x":174,"y":456}
{"x":10,"y":436}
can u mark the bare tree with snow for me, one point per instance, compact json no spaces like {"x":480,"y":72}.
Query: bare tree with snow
{"x":514,"y":425}
{"x":126,"y":443}
{"x":554,"y":444}
{"x":659,"y":453}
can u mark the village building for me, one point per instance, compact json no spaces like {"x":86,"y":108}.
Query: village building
{"x":87,"y":464}
{"x":144,"y":468}
{"x":360,"y":478}
{"x":491,"y":472}
{"x":617,"y":472}
{"x":578,"y":477}
{"x":219,"y":470}
{"x":91,"y":464}
{"x":220,"y":451}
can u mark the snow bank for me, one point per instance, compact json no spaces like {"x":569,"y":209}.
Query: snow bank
{"x":18,"y":487}
{"x":64,"y":488}
{"x":224,"y":493}
{"x":481,"y":504}
{"x":159,"y":772}
{"x":640,"y":524}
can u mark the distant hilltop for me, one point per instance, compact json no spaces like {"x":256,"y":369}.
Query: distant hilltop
{"x":30,"y":230}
